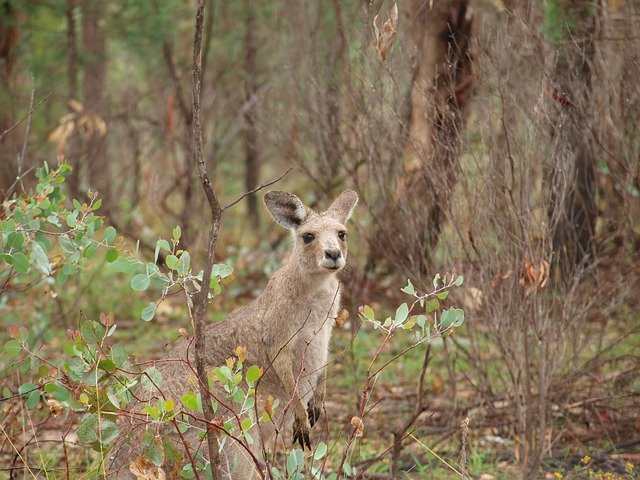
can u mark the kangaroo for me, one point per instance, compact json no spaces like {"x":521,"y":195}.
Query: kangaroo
{"x":286,"y":330}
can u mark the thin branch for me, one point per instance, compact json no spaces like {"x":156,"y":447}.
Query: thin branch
{"x":201,"y":303}
{"x":28,"y":114}
{"x":257,"y":189}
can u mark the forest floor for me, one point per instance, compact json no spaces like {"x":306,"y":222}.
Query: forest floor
{"x":586,"y":441}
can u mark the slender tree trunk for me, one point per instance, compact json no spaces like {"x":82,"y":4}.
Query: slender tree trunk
{"x":252,"y":164}
{"x":95,"y":97}
{"x":439,"y":37}
{"x":572,"y":177}
{"x":75,"y":148}
{"x":9,"y":142}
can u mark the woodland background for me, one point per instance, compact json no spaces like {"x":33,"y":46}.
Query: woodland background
{"x":498,"y":139}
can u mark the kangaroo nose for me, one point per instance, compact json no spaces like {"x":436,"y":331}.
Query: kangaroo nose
{"x":332,"y":254}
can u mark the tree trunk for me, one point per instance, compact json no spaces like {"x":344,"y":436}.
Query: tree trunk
{"x":95,"y":98}
{"x":439,"y":38}
{"x":572,"y":176}
{"x":252,"y":164}
{"x":10,"y":141}
{"x":74,"y":148}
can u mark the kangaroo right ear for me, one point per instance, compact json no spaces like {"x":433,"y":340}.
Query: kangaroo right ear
{"x":286,"y":209}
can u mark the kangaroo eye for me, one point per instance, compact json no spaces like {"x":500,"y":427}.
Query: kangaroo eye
{"x":308,"y":237}
{"x":342,"y":234}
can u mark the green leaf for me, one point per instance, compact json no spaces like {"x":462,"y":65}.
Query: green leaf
{"x":409,"y":289}
{"x":190,"y":401}
{"x":39,"y":257}
{"x":221,"y":270}
{"x":183,"y":266}
{"x":67,"y":245}
{"x":161,"y":244}
{"x":295,"y":462}
{"x":125,"y":265}
{"x":149,"y":312}
{"x":109,"y":235}
{"x":246,"y":424}
{"x":111,"y":255}
{"x":72,"y":219}
{"x":15,"y":241}
{"x":12,"y":348}
{"x":432,"y":305}
{"x":109,"y":431}
{"x":26,"y":388}
{"x":452,"y":317}
{"x":19,"y":261}
{"x":321,"y":451}
{"x":172,"y":262}
{"x":253,"y":374}
{"x":91,"y":331}
{"x":435,"y":280}
{"x":90,"y":251}
{"x":87,"y":430}
{"x":153,"y":450}
{"x":150,"y":379}
{"x":458,"y":281}
{"x":177,"y":233}
{"x":368,"y":312}
{"x":443,"y":295}
{"x":214,"y":284}
{"x":401,"y":314}
{"x":120,"y":356}
{"x":60,"y":393}
{"x":96,"y":205}
{"x":107,"y":365}
{"x":33,"y":400}
{"x":187,"y":471}
{"x":140,"y":282}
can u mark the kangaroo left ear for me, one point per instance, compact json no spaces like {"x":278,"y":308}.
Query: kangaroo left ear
{"x":342,"y":207}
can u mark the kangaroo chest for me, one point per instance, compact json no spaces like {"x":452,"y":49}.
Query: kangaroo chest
{"x":311,"y":341}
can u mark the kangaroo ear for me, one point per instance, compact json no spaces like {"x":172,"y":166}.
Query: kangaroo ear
{"x":342,"y":207}
{"x":285,"y":208}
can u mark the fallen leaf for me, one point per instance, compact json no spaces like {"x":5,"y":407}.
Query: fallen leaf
{"x":143,"y":469}
{"x":384,"y":39}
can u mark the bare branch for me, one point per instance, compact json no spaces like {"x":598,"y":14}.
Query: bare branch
{"x":201,"y":303}
{"x":257,"y":189}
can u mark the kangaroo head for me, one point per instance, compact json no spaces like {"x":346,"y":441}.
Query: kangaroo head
{"x":319,"y":239}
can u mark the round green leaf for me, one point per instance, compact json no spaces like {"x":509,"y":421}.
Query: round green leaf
{"x":12,"y":348}
{"x":140,"y":282}
{"x":149,"y":312}
{"x":19,"y":261}
{"x":111,"y":255}
{"x":109,"y":235}
{"x":253,"y":373}
{"x":321,"y":451}
{"x":151,"y":379}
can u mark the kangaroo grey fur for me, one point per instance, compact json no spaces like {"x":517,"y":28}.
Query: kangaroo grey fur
{"x":286,"y":330}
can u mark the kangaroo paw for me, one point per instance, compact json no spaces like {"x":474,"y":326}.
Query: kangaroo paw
{"x":301,"y":433}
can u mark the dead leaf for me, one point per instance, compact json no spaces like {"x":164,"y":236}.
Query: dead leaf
{"x":384,"y":39}
{"x":358,"y":424}
{"x":342,"y":318}
{"x":268,"y":406}
{"x":241,"y":353}
{"x":535,"y":275}
{"x":55,"y":407}
{"x":143,"y":469}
